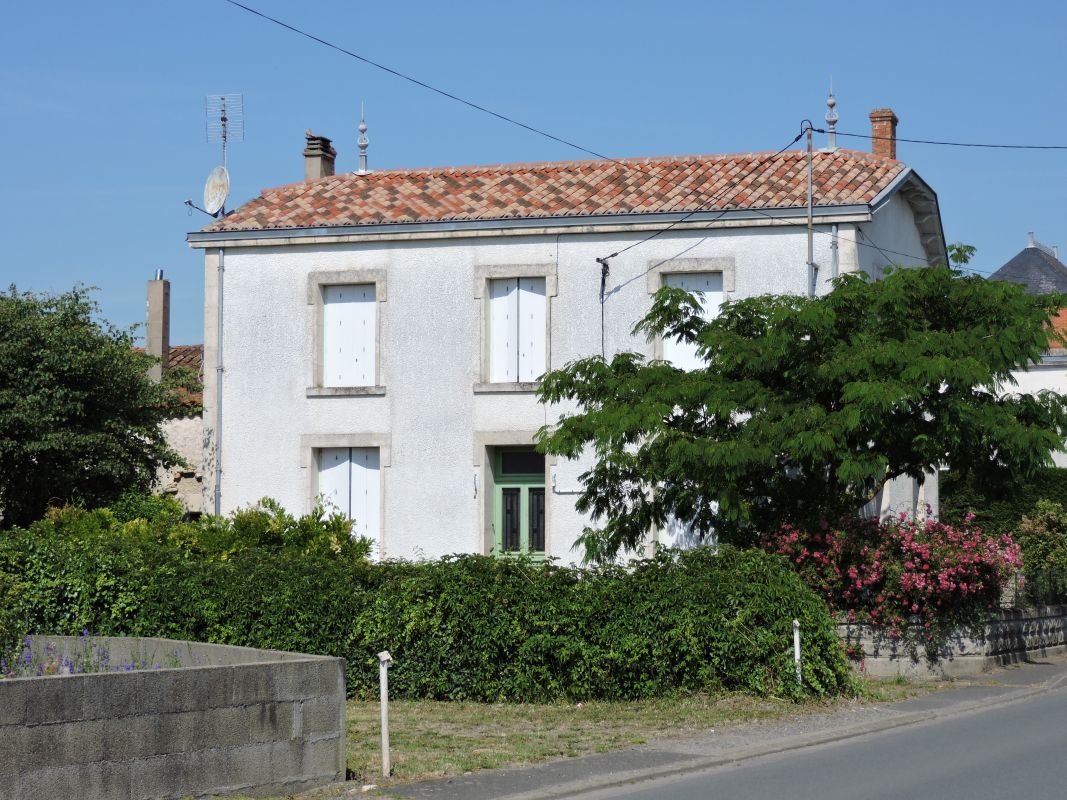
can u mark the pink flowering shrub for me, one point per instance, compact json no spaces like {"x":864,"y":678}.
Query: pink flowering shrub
{"x":910,"y":578}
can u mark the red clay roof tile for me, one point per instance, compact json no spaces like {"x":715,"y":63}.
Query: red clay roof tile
{"x":575,"y":188}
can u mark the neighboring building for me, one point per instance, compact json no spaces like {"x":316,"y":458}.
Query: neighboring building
{"x":383,"y":331}
{"x":185,"y":434}
{"x":1037,"y":267}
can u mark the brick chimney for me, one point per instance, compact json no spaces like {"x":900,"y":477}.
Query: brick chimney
{"x":884,"y":133}
{"x":157,"y":333}
{"x":319,"y":156}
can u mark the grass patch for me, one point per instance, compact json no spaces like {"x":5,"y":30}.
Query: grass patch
{"x":438,"y":739}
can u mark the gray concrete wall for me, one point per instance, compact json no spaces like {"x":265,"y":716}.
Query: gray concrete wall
{"x":1014,"y":635}
{"x":238,"y":720}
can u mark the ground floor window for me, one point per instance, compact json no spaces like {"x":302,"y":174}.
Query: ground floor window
{"x":350,"y":481}
{"x":519,"y":500}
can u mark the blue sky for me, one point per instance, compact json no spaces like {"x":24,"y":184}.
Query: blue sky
{"x":102,"y":108}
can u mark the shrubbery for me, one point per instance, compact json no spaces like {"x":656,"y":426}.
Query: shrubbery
{"x":903,"y":573}
{"x":465,"y":627}
{"x":1042,"y":536}
{"x":999,"y":510}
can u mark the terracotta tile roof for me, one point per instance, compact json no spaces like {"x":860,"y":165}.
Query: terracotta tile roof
{"x":187,"y":355}
{"x":574,"y":188}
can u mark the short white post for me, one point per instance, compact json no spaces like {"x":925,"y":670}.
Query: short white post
{"x":384,"y":660}
{"x":796,"y":650}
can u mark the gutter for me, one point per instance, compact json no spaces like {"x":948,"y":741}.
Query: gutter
{"x":860,"y":212}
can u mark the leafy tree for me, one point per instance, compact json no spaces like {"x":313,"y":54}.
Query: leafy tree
{"x":805,"y":407}
{"x":79,"y":417}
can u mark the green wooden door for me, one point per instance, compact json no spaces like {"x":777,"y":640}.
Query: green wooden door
{"x":519,"y":501}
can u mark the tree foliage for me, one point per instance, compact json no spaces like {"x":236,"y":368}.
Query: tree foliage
{"x":79,"y":418}
{"x":806,"y":407}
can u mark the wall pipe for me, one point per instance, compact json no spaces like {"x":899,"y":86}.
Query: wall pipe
{"x":218,"y":388}
{"x":834,"y":263}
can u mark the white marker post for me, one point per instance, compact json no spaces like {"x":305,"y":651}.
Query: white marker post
{"x":796,"y":650}
{"x":384,"y":660}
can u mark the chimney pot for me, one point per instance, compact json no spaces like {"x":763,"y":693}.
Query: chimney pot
{"x":157,"y":332}
{"x":884,"y":132}
{"x":319,"y":157}
{"x":1030,"y":241}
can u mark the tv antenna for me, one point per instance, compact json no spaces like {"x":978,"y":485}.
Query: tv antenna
{"x":224,"y":123}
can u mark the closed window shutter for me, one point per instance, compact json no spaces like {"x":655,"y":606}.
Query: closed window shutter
{"x":349,"y":333}
{"x":366,"y":493}
{"x":531,"y":329}
{"x":503,"y":329}
{"x":334,"y":479}
{"x":682,"y":354}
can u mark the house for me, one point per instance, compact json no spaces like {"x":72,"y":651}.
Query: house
{"x":1037,"y":267}
{"x":184,"y":433}
{"x":380,"y":333}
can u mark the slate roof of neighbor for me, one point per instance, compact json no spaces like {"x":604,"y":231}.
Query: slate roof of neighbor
{"x":567,"y":189}
{"x":1038,"y":271}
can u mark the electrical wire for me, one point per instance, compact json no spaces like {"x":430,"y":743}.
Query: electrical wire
{"x":628,"y":165}
{"x":712,"y":199}
{"x":430,"y":87}
{"x":951,"y":144}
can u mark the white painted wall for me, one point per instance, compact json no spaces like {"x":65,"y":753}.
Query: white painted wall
{"x":892,"y":229}
{"x":430,"y":360}
{"x":1050,"y":375}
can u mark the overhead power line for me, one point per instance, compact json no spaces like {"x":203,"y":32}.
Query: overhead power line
{"x":424,"y":85}
{"x":952,"y":144}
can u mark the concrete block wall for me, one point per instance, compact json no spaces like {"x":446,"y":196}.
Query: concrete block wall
{"x":1012,"y":636}
{"x":236,"y":720}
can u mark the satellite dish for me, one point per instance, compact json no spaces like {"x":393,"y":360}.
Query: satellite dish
{"x":216,"y":190}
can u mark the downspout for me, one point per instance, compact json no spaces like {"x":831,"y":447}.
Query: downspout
{"x":833,"y":252}
{"x":218,"y":389}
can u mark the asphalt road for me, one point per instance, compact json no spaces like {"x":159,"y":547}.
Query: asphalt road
{"x":1013,"y":750}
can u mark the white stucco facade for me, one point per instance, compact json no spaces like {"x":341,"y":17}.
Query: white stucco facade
{"x":432,"y":415}
{"x":1048,"y":375}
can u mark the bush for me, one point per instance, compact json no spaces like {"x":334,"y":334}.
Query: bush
{"x":465,"y":627}
{"x":1043,"y":538}
{"x":999,"y":510}
{"x":903,"y":574}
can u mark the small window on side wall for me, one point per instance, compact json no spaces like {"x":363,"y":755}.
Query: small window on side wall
{"x":516,"y":329}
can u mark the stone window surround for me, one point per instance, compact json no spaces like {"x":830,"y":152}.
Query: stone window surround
{"x":316,"y":282}
{"x":311,"y":443}
{"x":484,"y":444}
{"x":727,"y":265}
{"x":483,"y":273}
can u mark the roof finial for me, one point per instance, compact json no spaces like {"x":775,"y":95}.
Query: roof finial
{"x":831,"y":119}
{"x":363,"y":142}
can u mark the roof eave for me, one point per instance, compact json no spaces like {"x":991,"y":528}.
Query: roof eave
{"x":924,"y":205}
{"x":858,"y":212}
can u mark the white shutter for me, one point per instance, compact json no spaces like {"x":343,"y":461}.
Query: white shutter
{"x":366,"y":493}
{"x":682,"y":354}
{"x":334,"y":479}
{"x":349,"y":332}
{"x":503,"y":330}
{"x":531,"y":328}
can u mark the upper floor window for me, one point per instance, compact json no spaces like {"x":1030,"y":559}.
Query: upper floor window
{"x":708,"y":289}
{"x":349,"y":335}
{"x":517,"y":329}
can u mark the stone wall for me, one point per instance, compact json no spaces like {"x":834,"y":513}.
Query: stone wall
{"x":230,"y":719}
{"x":1014,"y":635}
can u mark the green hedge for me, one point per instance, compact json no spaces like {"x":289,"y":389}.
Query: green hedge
{"x":999,"y":510}
{"x":464,"y":627}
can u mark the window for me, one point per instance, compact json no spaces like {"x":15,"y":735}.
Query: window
{"x":519,"y":501}
{"x":708,"y":288}
{"x":349,"y":480}
{"x":349,"y":335}
{"x":516,"y":329}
